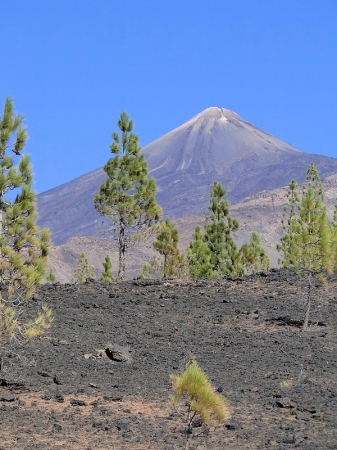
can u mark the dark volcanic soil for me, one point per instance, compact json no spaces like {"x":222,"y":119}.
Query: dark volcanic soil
{"x":280,"y":383}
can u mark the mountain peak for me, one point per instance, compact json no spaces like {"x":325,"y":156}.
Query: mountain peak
{"x":214,"y":112}
{"x":211,"y":140}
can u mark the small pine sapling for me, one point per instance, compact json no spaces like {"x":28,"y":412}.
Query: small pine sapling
{"x":107,"y":275}
{"x":83,"y":271}
{"x":166,"y":243}
{"x":174,"y":264}
{"x":203,"y":403}
{"x":154,"y":270}
{"x":51,"y":277}
{"x":254,"y":257}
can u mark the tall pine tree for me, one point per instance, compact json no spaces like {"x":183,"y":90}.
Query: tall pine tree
{"x":23,"y":245}
{"x":218,"y":232}
{"x":127,"y":197}
{"x":288,"y":246}
{"x":314,"y":236}
{"x":307,"y":243}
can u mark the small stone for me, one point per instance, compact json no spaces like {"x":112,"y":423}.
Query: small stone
{"x":56,"y":380}
{"x":285,"y":403}
{"x":122,"y":426}
{"x":43,"y":374}
{"x":75,"y":402}
{"x":7,"y":398}
{"x":116,"y":398}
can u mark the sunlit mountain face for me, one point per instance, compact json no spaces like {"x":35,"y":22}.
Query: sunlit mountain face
{"x":215,"y":145}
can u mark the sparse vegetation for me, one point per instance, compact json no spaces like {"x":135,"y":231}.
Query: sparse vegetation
{"x":83,"y":271}
{"x":202,"y":402}
{"x":127,"y":197}
{"x":23,"y":245}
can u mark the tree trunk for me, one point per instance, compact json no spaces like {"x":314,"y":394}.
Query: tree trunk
{"x":121,"y":249}
{"x":307,"y":313}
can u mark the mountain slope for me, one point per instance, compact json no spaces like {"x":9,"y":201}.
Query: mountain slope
{"x":260,"y":212}
{"x":214,"y":145}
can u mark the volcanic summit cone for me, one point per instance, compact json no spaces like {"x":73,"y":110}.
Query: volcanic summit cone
{"x":215,"y":145}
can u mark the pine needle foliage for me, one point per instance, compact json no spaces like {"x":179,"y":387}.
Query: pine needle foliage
{"x":218,"y":232}
{"x":127,"y":198}
{"x":83,"y":271}
{"x":174,"y":264}
{"x":166,"y":244}
{"x":107,"y":275}
{"x":23,"y":245}
{"x":254,"y":258}
{"x":334,"y":240}
{"x":202,"y":401}
{"x":288,"y":245}
{"x":199,"y":256}
{"x":51,"y":278}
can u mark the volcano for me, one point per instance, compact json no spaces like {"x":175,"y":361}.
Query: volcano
{"x":215,"y":145}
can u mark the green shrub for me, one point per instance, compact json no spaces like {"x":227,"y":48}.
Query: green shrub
{"x":203,"y":403}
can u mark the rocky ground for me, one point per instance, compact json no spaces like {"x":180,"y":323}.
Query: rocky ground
{"x":63,"y":391}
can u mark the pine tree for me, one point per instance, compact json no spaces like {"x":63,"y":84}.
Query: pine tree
{"x":218,"y":232}
{"x":23,"y":245}
{"x":254,"y":258}
{"x":83,"y":271}
{"x":199,"y":256}
{"x":166,"y":243}
{"x":51,"y":277}
{"x":314,"y":236}
{"x":333,"y":231}
{"x":107,"y":275}
{"x":288,"y":246}
{"x":127,"y":197}
{"x":154,"y":270}
{"x":307,"y":244}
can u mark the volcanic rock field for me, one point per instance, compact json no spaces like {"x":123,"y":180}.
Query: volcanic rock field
{"x":100,"y":378}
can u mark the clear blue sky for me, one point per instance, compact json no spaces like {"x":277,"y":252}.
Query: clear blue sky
{"x":72,"y":66}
